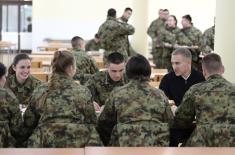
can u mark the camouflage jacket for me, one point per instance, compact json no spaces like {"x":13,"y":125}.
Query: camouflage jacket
{"x":136,"y":115}
{"x":153,"y":29}
{"x":86,"y":66}
{"x":22,"y":91}
{"x":10,"y":118}
{"x":91,"y":45}
{"x":168,"y":35}
{"x":100,"y":85}
{"x":190,"y":36}
{"x":208,"y":40}
{"x":113,"y":36}
{"x":62,"y":114}
{"x":212,"y":102}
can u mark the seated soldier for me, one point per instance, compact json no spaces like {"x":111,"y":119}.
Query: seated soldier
{"x":10,"y":115}
{"x":103,"y":82}
{"x":212,"y":104}
{"x":136,"y":114}
{"x":93,"y":44}
{"x":86,"y":65}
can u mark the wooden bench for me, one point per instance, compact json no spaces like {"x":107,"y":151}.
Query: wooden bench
{"x":36,"y":64}
{"x":40,"y":74}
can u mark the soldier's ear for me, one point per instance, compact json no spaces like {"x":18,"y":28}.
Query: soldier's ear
{"x":222,"y":69}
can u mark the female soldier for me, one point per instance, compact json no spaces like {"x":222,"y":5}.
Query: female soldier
{"x":136,"y":114}
{"x":62,"y":111}
{"x":10,"y":116}
{"x":20,"y":81}
{"x":166,"y":41}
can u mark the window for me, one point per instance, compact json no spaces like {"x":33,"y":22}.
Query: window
{"x":16,"y":23}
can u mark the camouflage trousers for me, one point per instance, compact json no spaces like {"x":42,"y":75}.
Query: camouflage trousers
{"x":196,"y":60}
{"x":64,"y":135}
{"x":162,"y":58}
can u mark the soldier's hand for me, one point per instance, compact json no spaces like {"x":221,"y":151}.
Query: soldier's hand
{"x":173,"y":109}
{"x":167,"y":45}
{"x":194,"y":47}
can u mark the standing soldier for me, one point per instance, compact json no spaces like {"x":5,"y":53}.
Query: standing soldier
{"x":192,"y":38}
{"x":153,"y":29}
{"x":167,"y":38}
{"x":93,"y":44}
{"x":86,"y":66}
{"x":136,"y":114}
{"x":212,"y":104}
{"x":124,"y":18}
{"x":113,"y":35}
{"x":10,"y":116}
{"x":208,"y":40}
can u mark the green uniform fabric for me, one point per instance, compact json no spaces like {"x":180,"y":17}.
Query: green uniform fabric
{"x":86,"y":66}
{"x":136,"y":115}
{"x":22,"y":91}
{"x":10,"y":118}
{"x":61,"y":115}
{"x":212,"y":102}
{"x":101,"y":85}
{"x":113,"y":37}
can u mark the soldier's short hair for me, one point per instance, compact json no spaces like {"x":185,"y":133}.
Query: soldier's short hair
{"x":138,"y":68}
{"x":2,"y":70}
{"x":212,"y":63}
{"x":182,"y":51}
{"x":61,"y":60}
{"x":115,"y":58}
{"x":128,"y":9}
{"x":111,"y":13}
{"x":188,"y":17}
{"x":97,"y":36}
{"x":76,"y":40}
{"x":166,"y":10}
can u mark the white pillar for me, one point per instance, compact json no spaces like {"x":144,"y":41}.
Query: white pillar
{"x":140,"y":21}
{"x":225,"y":36}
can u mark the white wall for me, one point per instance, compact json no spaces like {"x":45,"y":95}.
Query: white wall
{"x":63,"y":19}
{"x":225,"y":36}
{"x":201,"y":11}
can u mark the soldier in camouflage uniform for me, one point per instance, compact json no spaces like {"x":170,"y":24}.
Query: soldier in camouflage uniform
{"x":86,"y":65}
{"x":212,"y":104}
{"x":19,"y":80}
{"x":10,"y":116}
{"x":136,"y":114}
{"x":124,"y":18}
{"x":153,"y":29}
{"x":191,"y":37}
{"x":61,"y":113}
{"x":93,"y":44}
{"x":113,"y":35}
{"x":167,"y":38}
{"x":208,"y":40}
{"x":103,"y":82}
